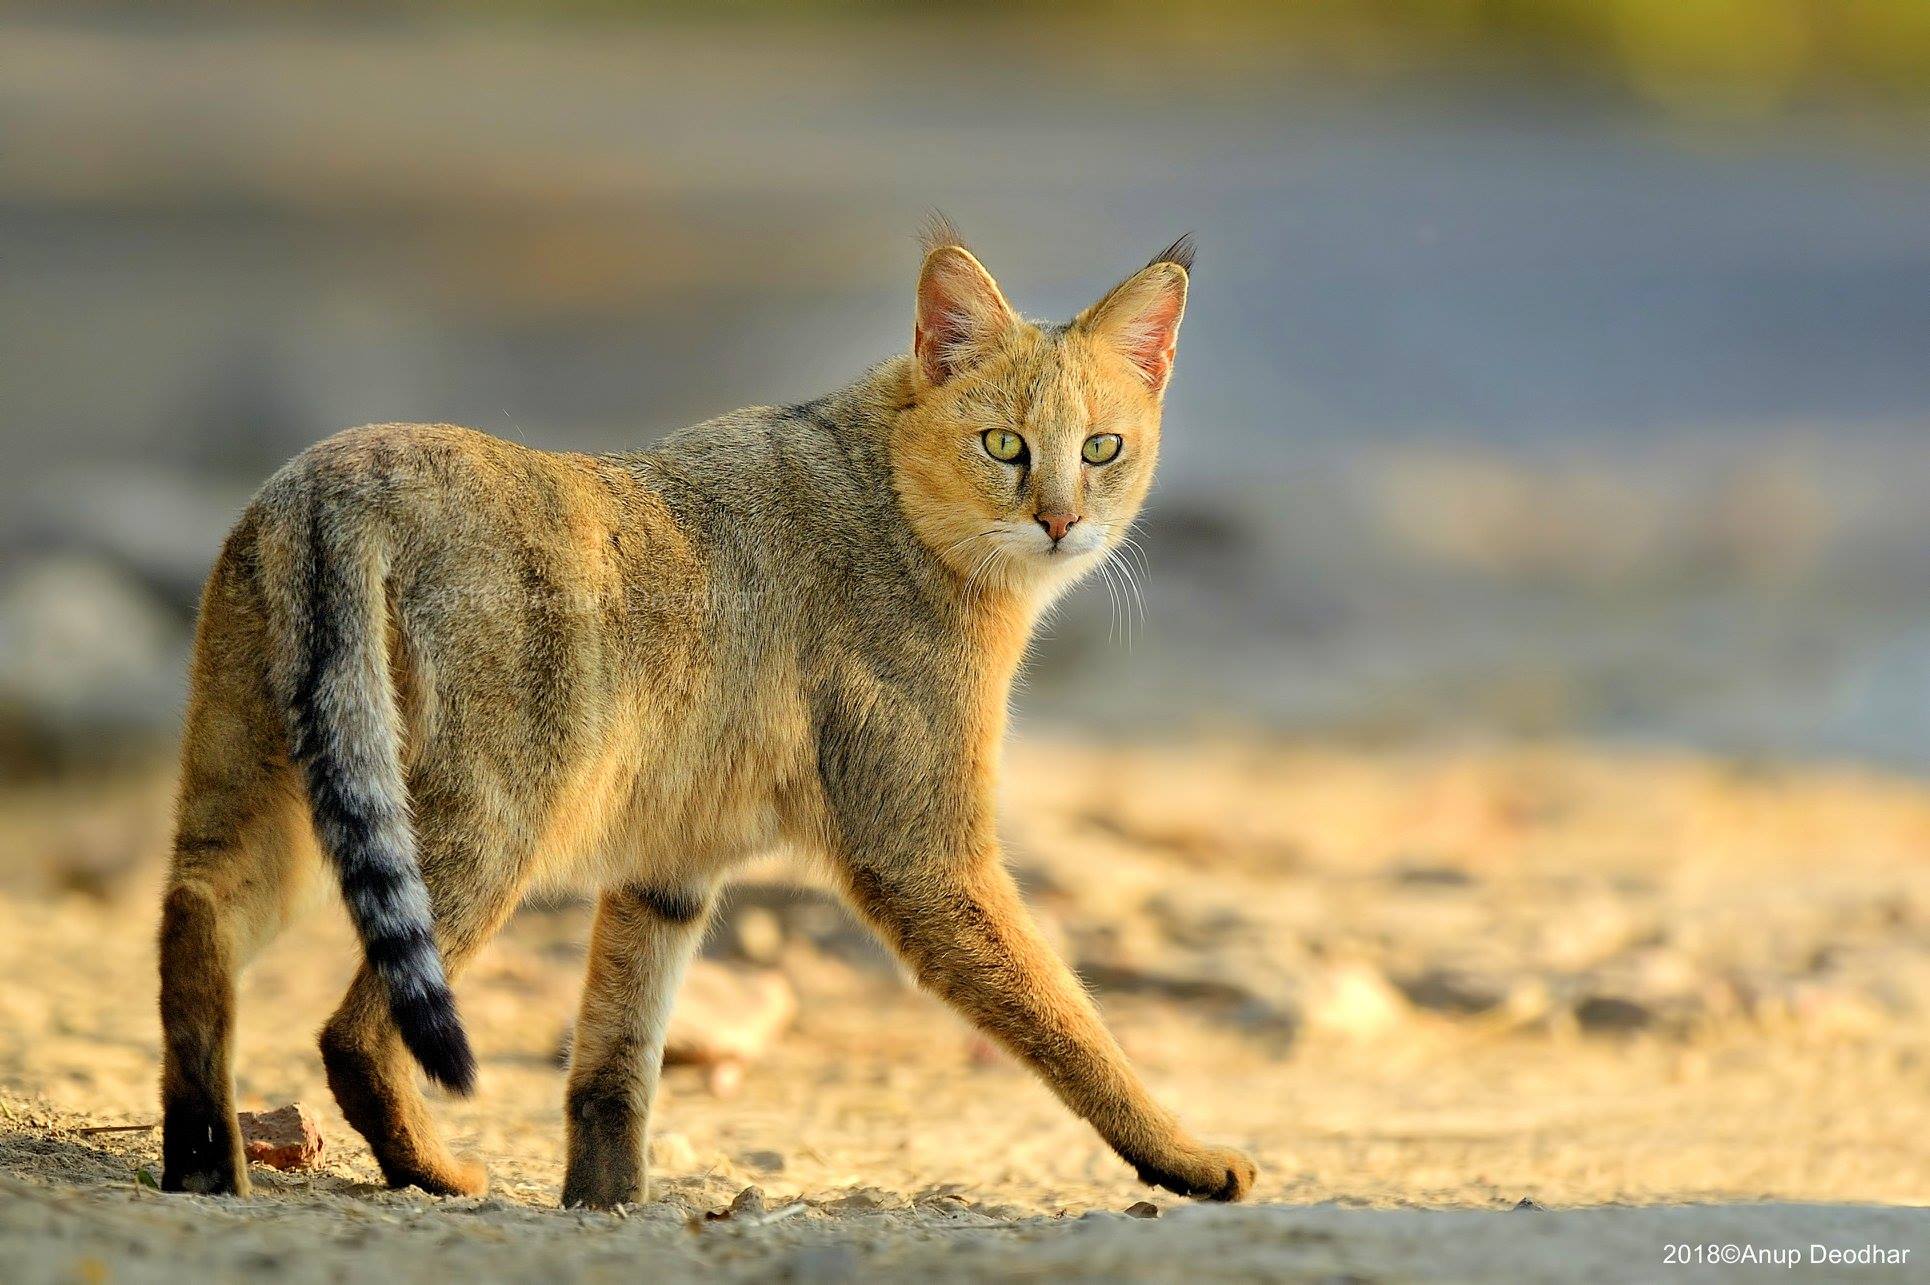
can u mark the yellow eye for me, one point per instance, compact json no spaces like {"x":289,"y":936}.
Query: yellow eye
{"x":1101,"y":448}
{"x":1002,"y":444}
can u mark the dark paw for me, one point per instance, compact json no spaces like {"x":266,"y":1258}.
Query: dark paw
{"x":205,"y":1182}
{"x":1204,"y":1173}
{"x":201,"y":1151}
{"x":601,"y":1192}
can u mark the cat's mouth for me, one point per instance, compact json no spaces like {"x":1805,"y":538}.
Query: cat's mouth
{"x":1081,"y":541}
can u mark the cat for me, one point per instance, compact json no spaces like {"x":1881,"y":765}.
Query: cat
{"x":451,"y":666}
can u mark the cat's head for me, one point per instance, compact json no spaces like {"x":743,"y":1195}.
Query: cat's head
{"x":1028,"y":448}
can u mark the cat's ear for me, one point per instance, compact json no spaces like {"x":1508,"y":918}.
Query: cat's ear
{"x":1140,"y":317}
{"x":961,"y":313}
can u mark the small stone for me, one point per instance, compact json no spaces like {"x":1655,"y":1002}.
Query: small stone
{"x":1142,"y":1209}
{"x":1529,"y":1205}
{"x":286,"y":1138}
{"x":672,"y":1151}
{"x":1613,"y":1013}
{"x":757,"y":935}
{"x":727,"y":1014}
{"x":725,"y":1079}
{"x":749,"y":1204}
{"x":1450,"y":990}
{"x":763,"y":1161}
{"x":1355,"y":1001}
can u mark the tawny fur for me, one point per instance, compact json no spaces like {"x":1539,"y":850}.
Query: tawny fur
{"x":453,"y":667}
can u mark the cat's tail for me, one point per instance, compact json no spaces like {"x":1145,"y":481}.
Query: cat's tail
{"x":329,"y":611}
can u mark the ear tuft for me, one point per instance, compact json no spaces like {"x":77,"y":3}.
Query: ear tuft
{"x":961,"y":311}
{"x":1180,"y":254}
{"x":1140,"y":317}
{"x":937,"y":232}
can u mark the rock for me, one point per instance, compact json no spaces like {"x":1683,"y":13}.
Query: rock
{"x":1529,"y":1205}
{"x":727,"y":1014}
{"x":1423,"y":873}
{"x":285,"y":1138}
{"x":163,"y":526}
{"x":1142,"y":1209}
{"x":763,"y":1161}
{"x":756,"y":934}
{"x":725,"y":1079}
{"x":761,"y":919}
{"x":91,"y":666}
{"x":1450,"y":990}
{"x":1354,"y":1001}
{"x":672,"y":1151}
{"x":1613,"y":1014}
{"x":1832,"y":1007}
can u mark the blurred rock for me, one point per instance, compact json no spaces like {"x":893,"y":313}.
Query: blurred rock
{"x":672,"y":1151}
{"x":1834,"y":1007}
{"x":1614,"y":1014}
{"x":1354,"y":1001}
{"x":727,"y":1014}
{"x":761,"y":917}
{"x":724,"y":1079}
{"x":1197,"y":526}
{"x":751,"y":933}
{"x":162,"y":526}
{"x":91,"y":667}
{"x":1450,"y":990}
{"x":726,"y":1017}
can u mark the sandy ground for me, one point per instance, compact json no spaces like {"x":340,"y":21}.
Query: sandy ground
{"x":1674,"y":1002}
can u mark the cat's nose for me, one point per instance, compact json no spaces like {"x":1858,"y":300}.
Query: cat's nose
{"x":1057,"y":524}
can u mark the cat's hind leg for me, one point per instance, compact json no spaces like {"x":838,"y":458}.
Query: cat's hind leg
{"x":473,"y":887}
{"x":244,"y":857}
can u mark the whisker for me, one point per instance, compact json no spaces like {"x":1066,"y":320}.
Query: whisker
{"x":967,"y":540}
{"x":983,"y":563}
{"x":1138,"y":600}
{"x":1112,"y":596}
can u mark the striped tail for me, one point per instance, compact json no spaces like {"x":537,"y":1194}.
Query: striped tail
{"x":344,"y":724}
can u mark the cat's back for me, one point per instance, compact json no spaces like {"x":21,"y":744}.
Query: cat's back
{"x":499,"y":559}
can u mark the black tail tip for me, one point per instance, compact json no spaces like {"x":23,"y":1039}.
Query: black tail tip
{"x":433,"y":1034}
{"x":454,"y":1068}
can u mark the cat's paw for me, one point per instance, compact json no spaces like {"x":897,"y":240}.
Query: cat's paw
{"x":1205,"y":1173}
{"x":450,"y":1177}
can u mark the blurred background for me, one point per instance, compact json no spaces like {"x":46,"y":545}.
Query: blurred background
{"x":1554,"y":368}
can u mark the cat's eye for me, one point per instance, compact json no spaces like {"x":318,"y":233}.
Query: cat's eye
{"x":1101,"y":448}
{"x":1003,"y":445}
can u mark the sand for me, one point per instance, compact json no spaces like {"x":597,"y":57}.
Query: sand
{"x":1670,"y":1001}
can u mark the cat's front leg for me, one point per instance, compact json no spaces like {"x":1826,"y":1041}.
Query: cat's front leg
{"x":641,"y":944}
{"x":968,"y":936}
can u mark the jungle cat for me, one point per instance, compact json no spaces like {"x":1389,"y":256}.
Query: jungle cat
{"x":454,"y":667}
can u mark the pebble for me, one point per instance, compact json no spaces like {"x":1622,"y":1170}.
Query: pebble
{"x":672,"y":1151}
{"x":286,"y":1138}
{"x":727,"y":1014}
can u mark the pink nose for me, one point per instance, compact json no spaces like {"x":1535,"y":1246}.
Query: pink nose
{"x":1057,"y":524}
